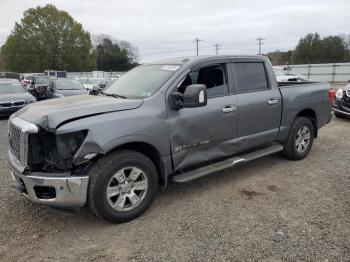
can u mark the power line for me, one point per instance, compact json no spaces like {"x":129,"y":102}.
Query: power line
{"x":197,"y":41}
{"x":260,"y":39}
{"x":217,"y":46}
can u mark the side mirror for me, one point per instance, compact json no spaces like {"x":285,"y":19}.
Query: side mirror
{"x":194,"y":96}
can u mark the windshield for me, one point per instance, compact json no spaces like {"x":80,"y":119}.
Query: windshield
{"x":68,"y":85}
{"x":278,"y":72}
{"x":7,"y":88}
{"x":143,"y":81}
{"x":42,"y":80}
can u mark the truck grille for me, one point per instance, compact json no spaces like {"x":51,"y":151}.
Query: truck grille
{"x":15,"y":135}
{"x":348,"y":92}
{"x":19,"y":131}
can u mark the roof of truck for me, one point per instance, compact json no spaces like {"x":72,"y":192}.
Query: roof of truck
{"x":193,"y":59}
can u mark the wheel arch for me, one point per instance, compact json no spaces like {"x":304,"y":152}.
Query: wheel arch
{"x":151,"y":152}
{"x":310,"y":114}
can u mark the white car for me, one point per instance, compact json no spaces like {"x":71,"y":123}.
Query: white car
{"x":281,"y":76}
{"x":89,"y":83}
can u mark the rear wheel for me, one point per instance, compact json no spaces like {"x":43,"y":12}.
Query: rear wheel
{"x":122,"y":185}
{"x":300,"y":139}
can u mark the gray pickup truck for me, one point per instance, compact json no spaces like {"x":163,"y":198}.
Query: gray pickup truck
{"x":174,"y":120}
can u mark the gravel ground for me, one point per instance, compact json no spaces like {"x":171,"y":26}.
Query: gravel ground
{"x":271,"y":209}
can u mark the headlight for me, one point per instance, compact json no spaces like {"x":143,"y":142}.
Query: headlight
{"x":339,"y":93}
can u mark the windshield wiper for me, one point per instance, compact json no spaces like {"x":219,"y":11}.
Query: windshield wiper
{"x":114,"y":95}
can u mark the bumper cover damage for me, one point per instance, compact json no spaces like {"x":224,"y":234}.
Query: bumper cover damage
{"x":54,"y":189}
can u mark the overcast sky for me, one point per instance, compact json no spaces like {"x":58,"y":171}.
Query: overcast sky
{"x":167,"y":28}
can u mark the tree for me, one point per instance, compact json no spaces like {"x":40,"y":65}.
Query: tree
{"x":280,"y":58}
{"x":2,"y":63}
{"x":115,"y":57}
{"x":313,"y":49}
{"x":334,"y":49}
{"x":47,"y":38}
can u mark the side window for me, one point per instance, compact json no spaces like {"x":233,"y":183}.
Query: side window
{"x":251,"y":76}
{"x":214,"y":77}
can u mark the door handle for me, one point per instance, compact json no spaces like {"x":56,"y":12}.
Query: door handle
{"x":228,"y":109}
{"x":273,"y":101}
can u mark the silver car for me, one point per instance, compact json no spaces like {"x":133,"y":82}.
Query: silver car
{"x":13,"y":97}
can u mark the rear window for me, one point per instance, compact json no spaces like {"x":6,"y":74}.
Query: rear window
{"x":251,"y":77}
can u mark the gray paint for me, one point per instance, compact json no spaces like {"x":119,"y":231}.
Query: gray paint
{"x":189,"y":136}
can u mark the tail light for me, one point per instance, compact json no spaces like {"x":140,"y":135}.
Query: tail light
{"x":331,"y":95}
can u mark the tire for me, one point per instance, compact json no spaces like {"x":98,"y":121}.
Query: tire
{"x":107,"y":174}
{"x":292,"y":144}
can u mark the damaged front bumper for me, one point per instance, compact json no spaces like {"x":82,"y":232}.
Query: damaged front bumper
{"x":55,"y":189}
{"x":342,"y":107}
{"x":341,"y":112}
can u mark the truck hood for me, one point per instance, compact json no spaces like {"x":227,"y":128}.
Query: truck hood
{"x":50,"y":114}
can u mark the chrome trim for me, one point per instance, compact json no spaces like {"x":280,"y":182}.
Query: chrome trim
{"x":14,"y":163}
{"x":26,"y":129}
{"x":342,"y":112}
{"x":70,"y":191}
{"x":347,"y":92}
{"x":24,"y":125}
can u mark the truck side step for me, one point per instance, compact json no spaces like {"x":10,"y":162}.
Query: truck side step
{"x":206,"y":170}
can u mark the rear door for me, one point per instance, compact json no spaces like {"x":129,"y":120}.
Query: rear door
{"x":205,"y":133}
{"x":259,"y":104}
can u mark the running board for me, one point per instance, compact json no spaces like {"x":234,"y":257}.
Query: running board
{"x":207,"y":170}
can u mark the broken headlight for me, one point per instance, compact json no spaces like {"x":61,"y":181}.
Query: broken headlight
{"x":69,"y":143}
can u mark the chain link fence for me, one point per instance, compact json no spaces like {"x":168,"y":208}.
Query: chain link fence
{"x":99,"y":74}
{"x":337,"y":74}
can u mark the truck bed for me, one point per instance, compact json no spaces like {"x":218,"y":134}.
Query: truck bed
{"x":295,"y":83}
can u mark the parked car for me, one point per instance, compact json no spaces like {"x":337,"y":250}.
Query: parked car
{"x":89,"y":83}
{"x":174,"y":120}
{"x":62,"y":87}
{"x":13,"y":97}
{"x":341,"y":106}
{"x":103,"y":85}
{"x":281,"y":76}
{"x":26,"y":80}
{"x":39,"y":87}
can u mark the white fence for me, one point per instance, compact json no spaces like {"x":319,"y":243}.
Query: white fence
{"x":338,"y":73}
{"x":91,"y":74}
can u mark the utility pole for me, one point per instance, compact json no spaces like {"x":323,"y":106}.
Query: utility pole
{"x":217,"y":46}
{"x":197,"y":41}
{"x":260,"y":40}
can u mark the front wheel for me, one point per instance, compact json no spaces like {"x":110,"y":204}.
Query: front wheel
{"x":300,"y":139}
{"x":122,"y":185}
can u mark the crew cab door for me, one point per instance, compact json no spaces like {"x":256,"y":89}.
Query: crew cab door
{"x":259,"y":104}
{"x":201,"y":134}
